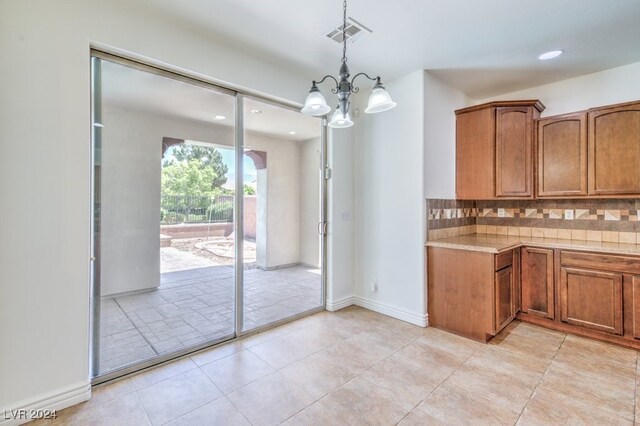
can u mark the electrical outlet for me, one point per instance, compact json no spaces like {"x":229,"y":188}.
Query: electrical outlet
{"x":374,"y":285}
{"x":501,"y":213}
{"x":568,"y":214}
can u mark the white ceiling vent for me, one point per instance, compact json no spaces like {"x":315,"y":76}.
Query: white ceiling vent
{"x":354,"y":31}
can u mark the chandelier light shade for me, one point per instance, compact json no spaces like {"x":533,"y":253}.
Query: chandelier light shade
{"x":316,"y":105}
{"x":379,"y":101}
{"x":340,"y":120}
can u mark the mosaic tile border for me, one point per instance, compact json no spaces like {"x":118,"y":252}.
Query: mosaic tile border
{"x":522,"y":231}
{"x":608,"y":215}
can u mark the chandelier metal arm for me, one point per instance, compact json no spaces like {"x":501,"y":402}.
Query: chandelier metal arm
{"x":334,"y":90}
{"x":355,"y":89}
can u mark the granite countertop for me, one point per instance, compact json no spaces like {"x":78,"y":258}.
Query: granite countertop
{"x":497,"y":243}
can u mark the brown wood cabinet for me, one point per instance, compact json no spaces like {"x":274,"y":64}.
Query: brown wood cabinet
{"x":614,"y":150}
{"x":472,"y":293}
{"x":562,"y":155}
{"x":591,"y":299}
{"x":494,"y":150}
{"x":537,"y":280}
{"x":476,"y":294}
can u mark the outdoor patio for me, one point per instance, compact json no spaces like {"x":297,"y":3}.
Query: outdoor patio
{"x":195,"y":305}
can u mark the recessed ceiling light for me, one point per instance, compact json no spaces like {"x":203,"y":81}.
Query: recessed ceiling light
{"x":550,"y":55}
{"x":220,"y":117}
{"x":256,"y":111}
{"x":292,"y":133}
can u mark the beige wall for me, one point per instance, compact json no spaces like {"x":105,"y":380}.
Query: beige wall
{"x":310,"y":202}
{"x":277,"y":241}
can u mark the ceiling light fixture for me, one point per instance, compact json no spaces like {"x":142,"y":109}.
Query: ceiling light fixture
{"x":256,"y":111}
{"x":316,"y":105}
{"x":550,"y":55}
{"x":292,"y":132}
{"x":220,"y":117}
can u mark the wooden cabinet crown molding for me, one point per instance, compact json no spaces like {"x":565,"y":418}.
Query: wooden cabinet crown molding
{"x":503,"y":104}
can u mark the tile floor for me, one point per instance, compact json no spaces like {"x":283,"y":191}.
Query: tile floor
{"x":358,"y":367}
{"x":194,"y":306}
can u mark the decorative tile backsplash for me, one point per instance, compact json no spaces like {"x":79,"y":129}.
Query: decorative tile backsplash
{"x":610,"y":215}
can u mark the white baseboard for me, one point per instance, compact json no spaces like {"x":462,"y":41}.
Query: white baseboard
{"x":392,"y":311}
{"x":336,"y":305}
{"x":56,"y":400}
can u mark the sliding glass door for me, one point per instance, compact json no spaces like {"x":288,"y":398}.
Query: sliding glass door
{"x":283,"y":226}
{"x":208,"y":215}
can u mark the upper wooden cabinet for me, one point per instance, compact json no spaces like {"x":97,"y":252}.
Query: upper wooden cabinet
{"x":614,"y":150}
{"x":494,"y":150}
{"x":562,"y":155}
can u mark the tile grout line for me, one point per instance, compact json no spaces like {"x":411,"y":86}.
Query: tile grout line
{"x":443,"y":380}
{"x":135,"y":326}
{"x":353,"y":378}
{"x":190,"y":411}
{"x":540,"y":380}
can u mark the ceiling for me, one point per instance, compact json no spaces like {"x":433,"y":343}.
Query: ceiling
{"x":483,"y":47}
{"x":139,"y":90}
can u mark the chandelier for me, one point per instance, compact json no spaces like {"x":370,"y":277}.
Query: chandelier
{"x":316,"y":105}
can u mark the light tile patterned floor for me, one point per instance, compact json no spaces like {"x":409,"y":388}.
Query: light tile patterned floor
{"x":197,"y":305}
{"x":358,"y":367}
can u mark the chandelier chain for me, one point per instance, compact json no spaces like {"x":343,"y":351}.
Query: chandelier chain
{"x":344,"y":31}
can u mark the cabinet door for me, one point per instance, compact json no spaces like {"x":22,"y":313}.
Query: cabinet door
{"x":614,"y":150}
{"x":514,"y":152}
{"x":504,"y":297}
{"x":635,"y":305}
{"x":517,"y":284}
{"x":562,"y":155}
{"x":475,"y":146}
{"x":537,"y":282}
{"x":591,"y":299}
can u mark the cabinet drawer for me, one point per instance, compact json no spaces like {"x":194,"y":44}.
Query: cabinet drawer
{"x":504,"y":259}
{"x":624,"y":264}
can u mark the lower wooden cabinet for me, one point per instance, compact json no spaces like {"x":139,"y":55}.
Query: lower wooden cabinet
{"x":597,"y":295}
{"x":591,"y":299}
{"x":504,"y":288}
{"x":537,"y":282}
{"x":474,"y":294}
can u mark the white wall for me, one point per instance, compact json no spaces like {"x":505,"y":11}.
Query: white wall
{"x":282,"y":242}
{"x":389,"y":204}
{"x":45,"y":174}
{"x":611,"y":86}
{"x":130,"y":202}
{"x":440,"y":102}
{"x":310,"y":202}
{"x":340,"y":219}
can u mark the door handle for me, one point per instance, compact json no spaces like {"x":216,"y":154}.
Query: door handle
{"x":322,"y":228}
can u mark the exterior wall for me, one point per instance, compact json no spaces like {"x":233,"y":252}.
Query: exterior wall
{"x":250,"y":214}
{"x":281,"y":207}
{"x":310,"y":202}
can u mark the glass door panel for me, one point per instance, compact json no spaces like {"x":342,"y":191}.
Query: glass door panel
{"x":282,"y":213}
{"x":164,"y":159}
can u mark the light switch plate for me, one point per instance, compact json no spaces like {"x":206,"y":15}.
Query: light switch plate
{"x":501,"y":213}
{"x":568,"y":214}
